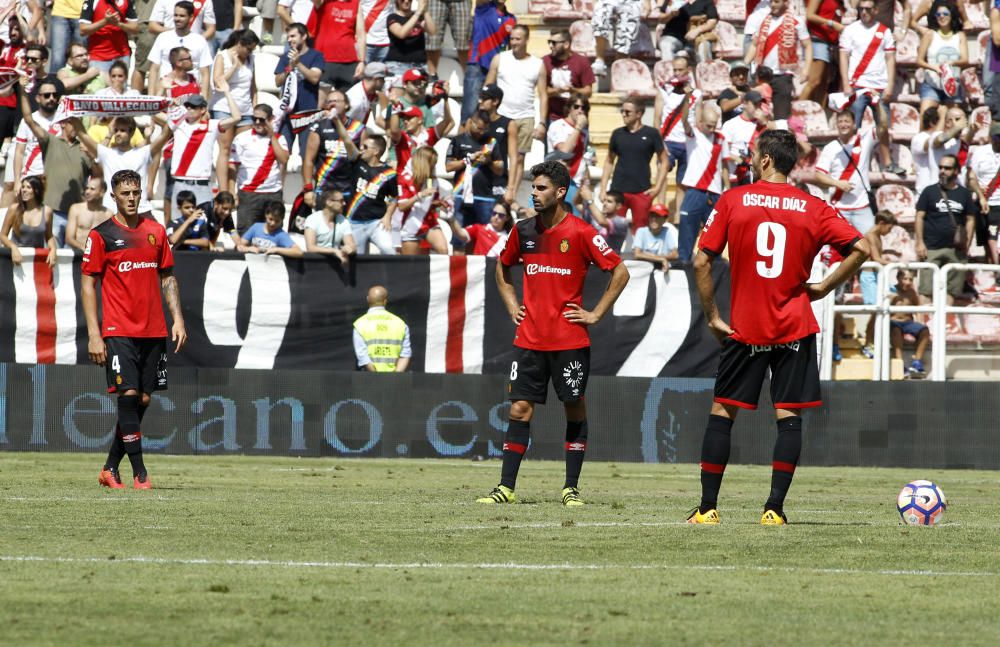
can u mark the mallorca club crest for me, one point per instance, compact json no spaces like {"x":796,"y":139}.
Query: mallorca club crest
{"x":564,"y":245}
{"x":152,"y":239}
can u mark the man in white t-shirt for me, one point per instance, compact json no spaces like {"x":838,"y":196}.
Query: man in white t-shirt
{"x":257,"y":160}
{"x":368,"y":92}
{"x":741,"y":133}
{"x":984,"y":181}
{"x":667,"y":110}
{"x":375,"y":13}
{"x":776,"y":44}
{"x":932,"y":143}
{"x":706,"y":176}
{"x":194,"y":141}
{"x":180,"y":36}
{"x":569,"y":135}
{"x":161,"y":18}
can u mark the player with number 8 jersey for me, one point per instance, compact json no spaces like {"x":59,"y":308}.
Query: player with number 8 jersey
{"x":773,"y":231}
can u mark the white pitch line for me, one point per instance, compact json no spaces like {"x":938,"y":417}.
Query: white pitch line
{"x":163,"y":561}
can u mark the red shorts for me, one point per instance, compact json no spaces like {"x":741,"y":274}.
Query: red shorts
{"x":639,"y":203}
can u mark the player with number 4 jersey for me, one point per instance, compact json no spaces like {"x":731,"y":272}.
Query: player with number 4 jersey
{"x":773,"y":231}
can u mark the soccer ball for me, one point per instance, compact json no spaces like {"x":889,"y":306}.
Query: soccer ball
{"x":921,"y":503}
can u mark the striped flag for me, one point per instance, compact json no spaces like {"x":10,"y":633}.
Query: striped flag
{"x":46,"y":309}
{"x":456,"y":314}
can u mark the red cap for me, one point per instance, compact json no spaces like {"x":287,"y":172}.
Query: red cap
{"x":659,"y":210}
{"x":412,"y":111}
{"x":416,"y":74}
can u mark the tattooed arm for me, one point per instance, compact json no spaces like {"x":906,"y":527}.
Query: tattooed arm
{"x":172,"y":295}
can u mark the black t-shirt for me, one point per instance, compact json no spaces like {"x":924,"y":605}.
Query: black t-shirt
{"x":223,"y":14}
{"x":413,"y":48}
{"x":634,"y":151}
{"x":941,"y":215}
{"x":729,"y":93}
{"x":482,"y":180}
{"x":498,"y":131}
{"x":332,"y":166}
{"x":682,"y":21}
{"x":374,"y":187}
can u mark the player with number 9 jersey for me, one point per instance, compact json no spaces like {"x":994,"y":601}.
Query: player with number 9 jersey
{"x":774,"y":231}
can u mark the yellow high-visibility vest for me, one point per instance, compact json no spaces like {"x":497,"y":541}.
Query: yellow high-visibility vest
{"x":383,"y":333}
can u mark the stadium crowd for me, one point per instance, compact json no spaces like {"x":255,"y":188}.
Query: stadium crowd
{"x":352,"y":98}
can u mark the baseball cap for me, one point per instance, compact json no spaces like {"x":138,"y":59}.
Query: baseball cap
{"x":412,"y":111}
{"x":738,"y":65}
{"x":376,"y":70}
{"x":659,"y":210}
{"x":416,"y":74}
{"x":558,"y":156}
{"x":995,"y":128}
{"x":195,"y":101}
{"x":754,"y":97}
{"x":492,"y":91}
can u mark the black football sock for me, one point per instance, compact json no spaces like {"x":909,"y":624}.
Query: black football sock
{"x":128,"y":420}
{"x":142,"y":410}
{"x":714,"y":458}
{"x":786,"y":456}
{"x":514,"y":445}
{"x":117,"y":451}
{"x":576,"y":447}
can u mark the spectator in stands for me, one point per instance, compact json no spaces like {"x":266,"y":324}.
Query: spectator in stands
{"x":326,"y":164}
{"x":307,"y":65}
{"x":504,"y":131}
{"x":630,"y":151}
{"x":925,"y":8}
{"x":180,"y":80}
{"x":408,"y":29}
{"x":374,"y":13}
{"x":868,"y":72}
{"x":884,"y":222}
{"x":233,"y":69}
{"x":521,"y":77}
{"x":161,"y":18}
{"x":228,"y":18}
{"x":491,"y":27}
{"x":143,"y":43}
{"x":268,"y":12}
{"x":571,"y":135}
{"x":64,"y":30}
{"x":730,"y":100}
{"x":420,"y":202}
{"x":381,"y":339}
{"x":340,"y":38}
{"x":945,"y":224}
{"x":180,"y":36}
{"x":374,"y":197}
{"x":657,"y":241}
{"x":566,"y":72}
{"x":415,"y":94}
{"x":268,"y":237}
{"x":706,"y":177}
{"x":294,"y":11}
{"x":108,"y":26}
{"x":369,"y":92}
{"x":194,"y":139}
{"x":407,"y":132}
{"x":688,"y":26}
{"x":823,"y":18}
{"x":616,"y":27}
{"x":741,"y":133}
{"x":475,"y":160}
{"x":328,"y":232}
{"x":257,"y":159}
{"x":605,"y":214}
{"x":782,"y":57}
{"x":903,"y":323}
{"x":27,"y":157}
{"x":841,"y":168}
{"x":117,"y":82}
{"x":984,"y":180}
{"x":35,"y":59}
{"x":84,"y":216}
{"x":667,"y":111}
{"x":447,"y":12}
{"x":11,"y":55}
{"x":79,"y":77}
{"x":190,"y":229}
{"x":942,"y":53}
{"x":485,"y":239}
{"x":221,"y":219}
{"x":28,"y":223}
{"x":933,"y":142}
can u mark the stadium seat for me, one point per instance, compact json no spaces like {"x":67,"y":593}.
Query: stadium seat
{"x":906,"y":50}
{"x":814,"y":118}
{"x":268,"y":99}
{"x":980,"y":121}
{"x":263,"y":72}
{"x":973,"y":87}
{"x":629,"y":76}
{"x":898,"y":200}
{"x":983,"y":328}
{"x":582,"y":33}
{"x":898,"y":246}
{"x":905,"y":121}
{"x":730,"y":43}
{"x":982,"y":45}
{"x":662,"y":71}
{"x":561,"y":9}
{"x":644,"y":47}
{"x":977,"y":16}
{"x":713,"y":77}
{"x":734,"y":11}
{"x":906,"y":88}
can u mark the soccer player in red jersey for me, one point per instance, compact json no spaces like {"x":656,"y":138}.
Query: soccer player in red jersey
{"x":773,"y":231}
{"x":131,"y":258}
{"x":551,"y":341}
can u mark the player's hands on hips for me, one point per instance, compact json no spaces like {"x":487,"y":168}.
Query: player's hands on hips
{"x":719,"y":328}
{"x":97,"y":350}
{"x":575,"y":314}
{"x":178,"y":333}
{"x":518,"y":316}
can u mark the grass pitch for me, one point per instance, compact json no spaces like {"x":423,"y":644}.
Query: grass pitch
{"x":250,"y":551}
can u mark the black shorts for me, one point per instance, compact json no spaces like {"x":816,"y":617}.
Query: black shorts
{"x":138,"y":363}
{"x":992,"y":224}
{"x":10,"y":118}
{"x":339,"y":76}
{"x":794,"y":374}
{"x":531,"y":371}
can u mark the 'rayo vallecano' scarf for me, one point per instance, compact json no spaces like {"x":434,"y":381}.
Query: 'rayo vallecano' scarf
{"x":87,"y":105}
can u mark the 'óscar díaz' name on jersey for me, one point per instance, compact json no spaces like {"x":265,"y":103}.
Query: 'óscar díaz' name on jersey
{"x":774,"y":202}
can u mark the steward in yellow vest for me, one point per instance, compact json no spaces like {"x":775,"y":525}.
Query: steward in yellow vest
{"x":381,"y":339}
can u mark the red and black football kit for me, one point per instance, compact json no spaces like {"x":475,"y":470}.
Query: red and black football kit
{"x":774,"y":231}
{"x":129,"y":262}
{"x":555,"y":264}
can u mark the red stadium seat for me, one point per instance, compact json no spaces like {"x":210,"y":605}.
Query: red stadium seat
{"x":980,"y":121}
{"x":970,"y":79}
{"x":713,"y":77}
{"x":582,"y":33}
{"x":734,"y":11}
{"x":906,"y":50}
{"x":814,"y":118}
{"x":662,"y":71}
{"x":897,"y":200}
{"x":905,"y":122}
{"x":565,"y":9}
{"x":906,"y":88}
{"x":730,"y":43}
{"x":630,"y":76}
{"x":977,"y":16}
{"x":898,"y":245}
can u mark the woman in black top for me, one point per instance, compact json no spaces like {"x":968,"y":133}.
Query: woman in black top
{"x":407,"y":42}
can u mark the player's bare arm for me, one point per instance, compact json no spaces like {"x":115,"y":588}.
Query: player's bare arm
{"x":706,"y":291}
{"x":576,"y":314}
{"x":172,"y":295}
{"x":850,"y":265}
{"x":509,"y":295}
{"x":95,"y":342}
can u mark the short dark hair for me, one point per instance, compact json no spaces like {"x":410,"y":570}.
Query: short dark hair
{"x":764,"y":74}
{"x":125,"y":176}
{"x":564,"y":33}
{"x":266,"y":109}
{"x":482,"y":116}
{"x":555,"y":171}
{"x":185,"y":197}
{"x":175,"y":54}
{"x":225,"y":197}
{"x":275,"y":208}
{"x":100,"y":180}
{"x":782,"y":147}
{"x":573,"y":98}
{"x":127,"y":122}
{"x":43,"y":51}
{"x":946,"y":156}
{"x":617,"y":196}
{"x":119,"y":64}
{"x":186,"y":5}
{"x":636,"y":102}
{"x":930,"y":118}
{"x":379,"y":142}
{"x":524,"y":28}
{"x":299,"y":27}
{"x":885,"y":217}
{"x":54,"y":81}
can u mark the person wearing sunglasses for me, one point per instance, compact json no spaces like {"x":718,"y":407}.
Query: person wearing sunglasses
{"x":257,"y":159}
{"x":476,"y":160}
{"x":567,"y":72}
{"x":984,"y":171}
{"x":571,"y":135}
{"x":943,"y":51}
{"x":485,"y":239}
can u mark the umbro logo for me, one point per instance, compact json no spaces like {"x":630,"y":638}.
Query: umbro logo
{"x":119,"y":243}
{"x":530,"y":244}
